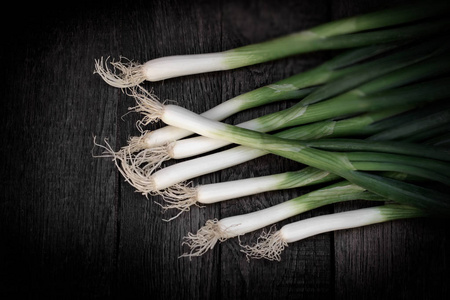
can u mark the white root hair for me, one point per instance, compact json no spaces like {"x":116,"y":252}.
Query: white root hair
{"x":130,"y":166}
{"x":180,"y":196}
{"x":138,"y":143}
{"x":147,"y":158}
{"x":147,"y":104}
{"x":130,"y":73}
{"x":269,"y":245}
{"x":146,"y":161}
{"x":205,"y":238}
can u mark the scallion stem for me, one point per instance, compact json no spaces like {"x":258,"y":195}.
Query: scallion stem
{"x":371,"y":96}
{"x":333,"y":35}
{"x":270,"y":245}
{"x":294,"y":87}
{"x":215,"y":230}
{"x":334,"y":162}
{"x":140,"y":169}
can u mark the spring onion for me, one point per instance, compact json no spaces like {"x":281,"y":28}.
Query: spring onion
{"x":361,"y":99}
{"x":183,"y":196}
{"x":271,"y":244}
{"x":294,"y":87}
{"x":143,"y":176}
{"x":350,"y":102}
{"x":335,"y":162}
{"x":349,"y":77}
{"x":372,"y":123}
{"x":215,"y":230}
{"x":355,"y":31}
{"x":220,"y":230}
{"x":296,"y":115}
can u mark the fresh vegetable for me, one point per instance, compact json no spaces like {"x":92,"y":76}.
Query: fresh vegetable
{"x":371,"y":96}
{"x":294,"y":87}
{"x":271,"y":244}
{"x":372,"y":123}
{"x":340,"y":163}
{"x":351,"y":32}
{"x":413,"y":122}
{"x":215,"y":230}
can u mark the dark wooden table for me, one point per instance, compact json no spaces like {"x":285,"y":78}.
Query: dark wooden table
{"x":70,"y":227}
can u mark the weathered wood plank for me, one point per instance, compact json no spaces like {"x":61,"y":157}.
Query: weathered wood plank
{"x":57,"y":204}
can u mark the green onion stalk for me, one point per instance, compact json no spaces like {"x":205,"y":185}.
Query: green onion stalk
{"x":271,"y":244}
{"x":181,"y":196}
{"x":370,"y":97}
{"x":214,"y":230}
{"x":353,"y":159}
{"x":350,"y":32}
{"x":335,"y":74}
{"x":344,"y":163}
{"x":293,"y":87}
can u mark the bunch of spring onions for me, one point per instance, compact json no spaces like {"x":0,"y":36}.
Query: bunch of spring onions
{"x":371,"y":124}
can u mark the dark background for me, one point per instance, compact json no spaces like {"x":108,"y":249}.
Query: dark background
{"x":70,"y":227}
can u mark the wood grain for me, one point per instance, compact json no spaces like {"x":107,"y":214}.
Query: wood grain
{"x":72,"y":228}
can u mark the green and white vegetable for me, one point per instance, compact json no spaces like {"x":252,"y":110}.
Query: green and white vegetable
{"x":215,"y":230}
{"x":340,"y":74}
{"x":373,"y":123}
{"x":182,"y":196}
{"x":270,"y":245}
{"x":294,"y":87}
{"x":368,"y":97}
{"x":350,"y":102}
{"x":143,"y":175}
{"x":339,"y":163}
{"x":345,"y":33}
